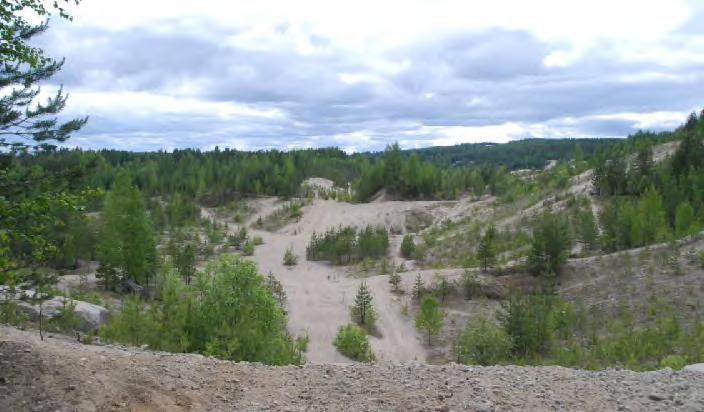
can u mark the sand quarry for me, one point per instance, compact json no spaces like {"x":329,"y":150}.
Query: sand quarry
{"x":319,"y":294}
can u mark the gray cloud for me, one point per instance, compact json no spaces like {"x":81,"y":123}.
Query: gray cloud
{"x":469,"y":79}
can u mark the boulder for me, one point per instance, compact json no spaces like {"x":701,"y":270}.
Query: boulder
{"x":91,"y":316}
{"x":697,"y":367}
{"x":127,"y":286}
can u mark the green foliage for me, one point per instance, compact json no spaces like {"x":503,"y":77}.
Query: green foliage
{"x":24,"y":66}
{"x":362,"y":311}
{"x":228,"y":312}
{"x":9,"y":315}
{"x":407,"y":246}
{"x":684,"y":219}
{"x":238,"y":238}
{"x":483,"y":342}
{"x":185,"y":261}
{"x":675,"y":362}
{"x":470,"y":285}
{"x":292,"y":211}
{"x":127,"y":247}
{"x":276,"y":288}
{"x":429,"y":317}
{"x":302,"y":343}
{"x":248,"y":248}
{"x":627,"y":224}
{"x":550,"y":245}
{"x":442,"y":287}
{"x":290,"y":259}
{"x":345,"y":245}
{"x":527,"y":320}
{"x":486,"y":251}
{"x":66,"y":320}
{"x":133,"y":324}
{"x":352,"y":341}
{"x":586,"y":229}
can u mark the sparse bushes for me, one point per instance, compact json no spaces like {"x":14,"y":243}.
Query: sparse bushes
{"x":293,"y":210}
{"x":345,"y":245}
{"x":395,"y":280}
{"x":290,"y":259}
{"x":352,"y":341}
{"x":482,"y":342}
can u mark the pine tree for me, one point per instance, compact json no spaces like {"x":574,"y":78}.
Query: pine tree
{"x":395,"y":280}
{"x":550,"y":245}
{"x":429,"y":317}
{"x":443,"y":287}
{"x":486,"y":251}
{"x":684,"y":219}
{"x":418,"y":288}
{"x":651,"y":217}
{"x":127,"y":243}
{"x":587,"y":230}
{"x":407,"y":246}
{"x":185,"y":262}
{"x":363,"y":310}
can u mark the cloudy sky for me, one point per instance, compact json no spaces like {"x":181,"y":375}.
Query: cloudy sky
{"x":161,"y":74}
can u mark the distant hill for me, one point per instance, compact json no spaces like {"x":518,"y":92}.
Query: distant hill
{"x":519,"y":154}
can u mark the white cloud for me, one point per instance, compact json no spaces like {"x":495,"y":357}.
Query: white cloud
{"x":268,"y":73}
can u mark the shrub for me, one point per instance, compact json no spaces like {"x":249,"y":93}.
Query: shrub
{"x":257,"y":240}
{"x":67,"y":320}
{"x":482,"y":342}
{"x":227,"y":312}
{"x":352,"y":341}
{"x":248,"y":248}
{"x":395,"y":280}
{"x":675,"y":362}
{"x":290,"y":259}
{"x":363,"y":310}
{"x":407,"y":246}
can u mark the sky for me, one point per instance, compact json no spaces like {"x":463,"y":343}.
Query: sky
{"x":165,"y":74}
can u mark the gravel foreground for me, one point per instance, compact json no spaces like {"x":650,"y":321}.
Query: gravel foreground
{"x":62,"y":375}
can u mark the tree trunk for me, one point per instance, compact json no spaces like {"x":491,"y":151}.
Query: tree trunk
{"x":41,"y":315}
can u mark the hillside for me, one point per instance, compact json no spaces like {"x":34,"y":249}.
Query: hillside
{"x":60,"y":374}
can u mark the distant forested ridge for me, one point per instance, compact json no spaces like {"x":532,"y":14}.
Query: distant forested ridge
{"x":217,"y":176}
{"x":519,"y":154}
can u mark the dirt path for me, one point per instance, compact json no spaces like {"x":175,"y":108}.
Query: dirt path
{"x":62,"y":375}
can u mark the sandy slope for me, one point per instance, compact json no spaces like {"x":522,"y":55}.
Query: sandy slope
{"x":319,"y":294}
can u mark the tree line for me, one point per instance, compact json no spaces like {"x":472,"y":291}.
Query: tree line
{"x":347,"y":244}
